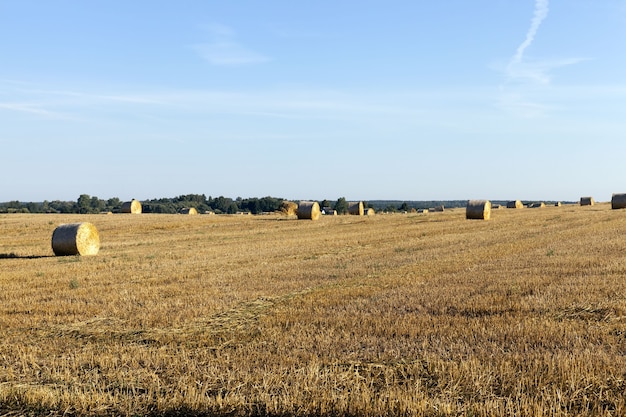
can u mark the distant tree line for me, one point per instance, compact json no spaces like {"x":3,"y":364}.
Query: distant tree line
{"x":86,"y":204}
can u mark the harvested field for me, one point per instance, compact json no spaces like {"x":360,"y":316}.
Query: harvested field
{"x":406,"y":315}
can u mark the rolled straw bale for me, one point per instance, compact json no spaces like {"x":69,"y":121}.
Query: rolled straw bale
{"x":190,"y":211}
{"x":514,"y":204}
{"x":587,"y":201}
{"x":540,"y":204}
{"x":309,"y":210}
{"x":478,"y":209}
{"x":133,"y":207}
{"x":438,"y":208}
{"x":618,"y":201}
{"x":369,"y":212}
{"x":558,"y":204}
{"x":355,"y":208}
{"x":289,"y":208}
{"x":75,"y":239}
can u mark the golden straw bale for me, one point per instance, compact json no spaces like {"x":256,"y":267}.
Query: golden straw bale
{"x":289,"y":208}
{"x":558,"y":204}
{"x":190,"y":211}
{"x":618,"y":201}
{"x":133,"y":207}
{"x":309,"y":210}
{"x":514,"y":204}
{"x":587,"y":201}
{"x":75,"y":239}
{"x":478,"y":209}
{"x":355,"y":208}
{"x":369,"y":212}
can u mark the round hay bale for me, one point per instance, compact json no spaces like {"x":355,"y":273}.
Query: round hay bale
{"x":478,"y":209}
{"x":309,"y":210}
{"x":514,"y":204}
{"x":587,"y":201}
{"x":558,"y":204}
{"x":540,"y":204}
{"x":369,"y":212}
{"x":133,"y":207}
{"x":289,"y":208}
{"x":75,"y":239}
{"x":190,"y":211}
{"x":618,"y":201}
{"x":355,"y":208}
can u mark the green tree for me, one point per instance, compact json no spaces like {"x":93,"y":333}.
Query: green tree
{"x":83,"y":204}
{"x":341,"y":206}
{"x":232,"y":208}
{"x":114,"y":203}
{"x":96,"y":205}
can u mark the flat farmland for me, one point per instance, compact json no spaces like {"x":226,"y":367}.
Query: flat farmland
{"x":407,"y":315}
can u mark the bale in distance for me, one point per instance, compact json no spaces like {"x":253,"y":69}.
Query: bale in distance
{"x":309,"y":210}
{"x":369,"y":212}
{"x":289,"y":208}
{"x":75,"y":239}
{"x":515,"y":204}
{"x":355,"y":208}
{"x":587,"y":201}
{"x":618,"y":201}
{"x":478,"y":209}
{"x":190,"y":211}
{"x":558,"y":204}
{"x":132,"y":207}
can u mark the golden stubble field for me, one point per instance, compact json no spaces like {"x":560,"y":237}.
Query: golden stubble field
{"x":416,"y":315}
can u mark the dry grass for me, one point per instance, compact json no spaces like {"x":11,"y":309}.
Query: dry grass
{"x":411,"y":315}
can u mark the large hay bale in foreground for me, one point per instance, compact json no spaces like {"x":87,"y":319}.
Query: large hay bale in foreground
{"x":587,"y":201}
{"x":478,"y":209}
{"x":289,"y":208}
{"x":76,"y":239}
{"x":355,"y":208}
{"x":309,"y":210}
{"x":133,"y":207}
{"x":618,"y":201}
{"x":190,"y":211}
{"x":515,"y":204}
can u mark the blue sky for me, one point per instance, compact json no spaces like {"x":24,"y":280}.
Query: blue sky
{"x":403,"y":100}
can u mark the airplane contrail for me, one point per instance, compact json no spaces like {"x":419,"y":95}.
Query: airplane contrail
{"x":541,"y":11}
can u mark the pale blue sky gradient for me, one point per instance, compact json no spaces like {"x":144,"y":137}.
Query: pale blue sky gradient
{"x":402,"y":100}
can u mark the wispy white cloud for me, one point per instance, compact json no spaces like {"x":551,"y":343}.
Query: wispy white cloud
{"x":34,"y":109}
{"x":539,"y":71}
{"x":520,"y":93}
{"x":541,"y":12}
{"x":225,"y":50}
